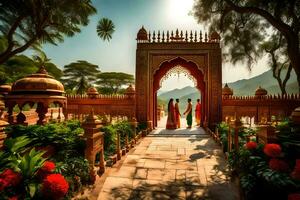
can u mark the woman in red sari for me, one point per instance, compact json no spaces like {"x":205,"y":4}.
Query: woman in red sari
{"x":198,"y":112}
{"x":171,"y":120}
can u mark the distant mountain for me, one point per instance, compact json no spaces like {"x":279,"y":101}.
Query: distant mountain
{"x":265,"y":80}
{"x":240,"y":88}
{"x":177,"y":93}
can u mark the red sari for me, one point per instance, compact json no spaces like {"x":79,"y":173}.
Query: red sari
{"x":171,"y":120}
{"x":198,"y":113}
{"x":177,"y":115}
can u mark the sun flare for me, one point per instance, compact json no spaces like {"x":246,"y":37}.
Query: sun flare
{"x":179,"y":10}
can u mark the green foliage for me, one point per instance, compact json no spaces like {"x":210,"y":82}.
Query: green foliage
{"x":105,"y":29}
{"x":79,"y":76}
{"x":76,"y":170}
{"x":26,"y":24}
{"x":110,"y":138}
{"x":20,"y":66}
{"x":27,"y":164}
{"x":65,"y":137}
{"x":30,"y":163}
{"x":236,"y":20}
{"x":112,"y":82}
{"x":141,"y":126}
{"x":124,"y":129}
{"x":252,"y":166}
{"x":223,"y":132}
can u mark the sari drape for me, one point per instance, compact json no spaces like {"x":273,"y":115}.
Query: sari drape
{"x":171,"y":120}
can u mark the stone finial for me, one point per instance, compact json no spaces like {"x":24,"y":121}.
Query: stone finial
{"x":142,"y":34}
{"x":227,"y":91}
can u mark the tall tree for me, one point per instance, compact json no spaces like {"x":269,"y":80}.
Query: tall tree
{"x":240,"y":20}
{"x":105,"y":29}
{"x":112,"y":82}
{"x":27,"y":23}
{"x":20,"y":66}
{"x":41,"y":59}
{"x":278,"y":60}
{"x":78,"y":76}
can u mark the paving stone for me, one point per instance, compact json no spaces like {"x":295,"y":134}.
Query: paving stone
{"x":141,"y":173}
{"x":125,"y":172}
{"x":166,"y":167}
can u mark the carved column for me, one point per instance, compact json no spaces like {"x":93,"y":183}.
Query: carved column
{"x":94,"y":141}
{"x":42,"y":111}
{"x":3,"y":124}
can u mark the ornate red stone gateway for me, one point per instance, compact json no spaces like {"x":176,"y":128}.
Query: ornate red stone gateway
{"x":159,"y":53}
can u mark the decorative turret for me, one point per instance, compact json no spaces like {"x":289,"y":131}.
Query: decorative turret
{"x":227,"y":91}
{"x":142,"y":35}
{"x":5,"y":89}
{"x":92,"y":92}
{"x":130,"y":91}
{"x":260,"y":92}
{"x":296,"y":115}
{"x":39,"y":88}
{"x":214,"y":37}
{"x":38,"y":83}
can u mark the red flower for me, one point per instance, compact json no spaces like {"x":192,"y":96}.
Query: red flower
{"x":278,"y":165}
{"x":295,"y":196}
{"x":272,"y":150}
{"x":12,"y":178}
{"x":48,"y":166}
{"x":251,"y":145}
{"x":296,"y":172}
{"x":55,"y":186}
{"x":13,"y":198}
{"x":3,"y":184}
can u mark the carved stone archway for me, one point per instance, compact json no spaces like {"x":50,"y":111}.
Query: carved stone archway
{"x":160,"y":52}
{"x":191,"y":68}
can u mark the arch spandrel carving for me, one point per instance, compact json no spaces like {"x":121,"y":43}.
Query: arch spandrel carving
{"x":199,"y":60}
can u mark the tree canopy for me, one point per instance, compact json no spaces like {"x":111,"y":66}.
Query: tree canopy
{"x":112,"y":82}
{"x":25,"y":24}
{"x":80,"y":75}
{"x":105,"y":29}
{"x":245,"y":24}
{"x":20,"y":66}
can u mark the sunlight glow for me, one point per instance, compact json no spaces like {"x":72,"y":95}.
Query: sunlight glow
{"x":179,"y":11}
{"x":176,"y":82}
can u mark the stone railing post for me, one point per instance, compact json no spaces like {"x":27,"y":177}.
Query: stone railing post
{"x":94,"y":141}
{"x":3,"y":124}
{"x":118,"y":146}
{"x":134,"y":124}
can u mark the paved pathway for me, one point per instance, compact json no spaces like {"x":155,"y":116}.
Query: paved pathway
{"x":180,"y":164}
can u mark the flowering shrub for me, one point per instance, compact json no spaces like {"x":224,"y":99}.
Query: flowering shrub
{"x":295,"y":196}
{"x":55,"y":186}
{"x":272,"y":150}
{"x":48,"y":166}
{"x":251,"y":145}
{"x":278,"y":165}
{"x":10,"y":178}
{"x":296,"y":172}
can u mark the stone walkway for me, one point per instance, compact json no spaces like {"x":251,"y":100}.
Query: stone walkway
{"x":180,"y":164}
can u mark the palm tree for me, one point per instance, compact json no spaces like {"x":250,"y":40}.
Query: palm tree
{"x":105,"y":29}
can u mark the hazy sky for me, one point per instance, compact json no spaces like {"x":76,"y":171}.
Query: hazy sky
{"x":128,"y":16}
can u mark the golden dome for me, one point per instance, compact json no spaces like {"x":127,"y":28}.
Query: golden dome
{"x":215,"y":36}
{"x":260,"y":91}
{"x":5,"y":89}
{"x":226,"y":90}
{"x":130,"y":90}
{"x":142,"y":34}
{"x":296,"y":115}
{"x":37,"y":83}
{"x":92,"y":91}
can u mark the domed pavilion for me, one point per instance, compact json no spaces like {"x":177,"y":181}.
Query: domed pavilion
{"x":39,"y":88}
